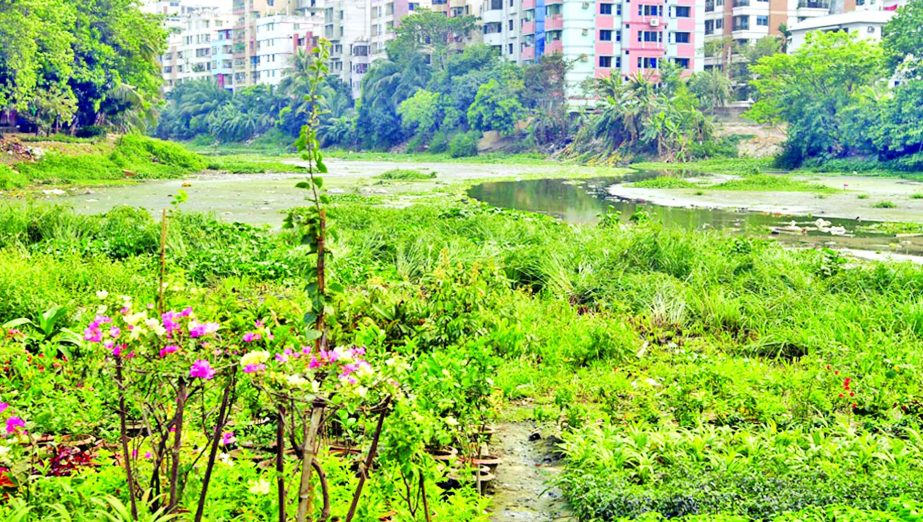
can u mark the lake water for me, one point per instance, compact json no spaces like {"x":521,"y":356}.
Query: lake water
{"x":584,"y":201}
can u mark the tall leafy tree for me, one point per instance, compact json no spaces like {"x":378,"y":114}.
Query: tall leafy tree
{"x":810,"y":90}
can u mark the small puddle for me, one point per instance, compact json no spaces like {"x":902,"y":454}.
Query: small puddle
{"x":584,"y":201}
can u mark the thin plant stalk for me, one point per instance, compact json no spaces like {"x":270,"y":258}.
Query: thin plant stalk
{"x":123,"y":435}
{"x":177,"y":444}
{"x":305,"y":491}
{"x":280,"y":462}
{"x":213,"y":452}
{"x":367,"y":465}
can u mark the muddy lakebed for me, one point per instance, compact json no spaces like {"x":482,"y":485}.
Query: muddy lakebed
{"x":846,"y":217}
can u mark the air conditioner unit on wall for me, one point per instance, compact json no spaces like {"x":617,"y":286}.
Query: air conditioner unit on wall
{"x":655,"y":22}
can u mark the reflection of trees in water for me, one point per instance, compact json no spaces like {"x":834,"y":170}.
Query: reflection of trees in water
{"x":583,"y":202}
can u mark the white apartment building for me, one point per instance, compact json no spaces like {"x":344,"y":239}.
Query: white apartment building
{"x":190,"y":46}
{"x":278,"y":39}
{"x":864,"y":23}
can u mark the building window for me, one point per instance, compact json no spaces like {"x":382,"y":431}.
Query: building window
{"x":605,"y":61}
{"x":650,"y":36}
{"x":681,"y":37}
{"x":762,"y":20}
{"x":647,"y":63}
{"x":741,"y":23}
{"x":682,"y":11}
{"x":605,"y":35}
{"x":709,"y":27}
{"x":719,"y":23}
{"x":605,"y":9}
{"x":650,"y":10}
{"x":510,"y":24}
{"x":509,"y":48}
{"x":682,"y":62}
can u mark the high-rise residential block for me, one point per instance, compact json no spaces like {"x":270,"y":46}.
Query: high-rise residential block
{"x":598,"y":38}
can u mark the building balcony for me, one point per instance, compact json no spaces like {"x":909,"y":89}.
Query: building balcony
{"x":527,"y":53}
{"x":813,"y":4}
{"x":554,"y":46}
{"x":527,"y":4}
{"x":528,"y":27}
{"x":554,"y":23}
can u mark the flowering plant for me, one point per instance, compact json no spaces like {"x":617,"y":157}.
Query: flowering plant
{"x":161,"y":361}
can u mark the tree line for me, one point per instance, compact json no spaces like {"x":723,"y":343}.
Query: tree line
{"x":846,"y":99}
{"x":68,"y":65}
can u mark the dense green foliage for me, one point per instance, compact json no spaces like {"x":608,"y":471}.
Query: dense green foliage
{"x":692,"y":373}
{"x":132,"y":156}
{"x":834,"y":95}
{"x":72,"y":64}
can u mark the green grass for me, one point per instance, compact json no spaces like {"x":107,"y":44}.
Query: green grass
{"x":10,"y":179}
{"x":712,"y":166}
{"x":771,"y":183}
{"x":884,"y":204}
{"x":862,"y":196}
{"x":405,"y":175}
{"x":133,"y":156}
{"x":665,"y":182}
{"x":916,"y":195}
{"x":249,"y":164}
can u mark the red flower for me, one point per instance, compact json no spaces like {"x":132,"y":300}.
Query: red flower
{"x":841,"y":395}
{"x":846,"y":382}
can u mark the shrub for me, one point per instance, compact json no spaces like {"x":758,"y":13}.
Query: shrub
{"x":464,"y":144}
{"x":90,"y":131}
{"x":664,"y":182}
{"x":150,"y":157}
{"x":884,"y":204}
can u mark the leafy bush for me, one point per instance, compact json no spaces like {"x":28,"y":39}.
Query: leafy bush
{"x":884,"y":204}
{"x":91,"y":131}
{"x":153,"y":158}
{"x":464,"y":144}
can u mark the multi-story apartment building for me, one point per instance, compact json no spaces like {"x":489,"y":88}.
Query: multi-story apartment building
{"x":278,"y":39}
{"x":598,"y":38}
{"x":191,"y":49}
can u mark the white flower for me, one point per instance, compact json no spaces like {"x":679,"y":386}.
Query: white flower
{"x":134,"y":319}
{"x":296,"y":381}
{"x":343,"y":354}
{"x":451,"y":421}
{"x":4,"y":451}
{"x":155,"y":326}
{"x":257,"y":357}
{"x":260,"y":487}
{"x":225,"y":459}
{"x":102,"y":295}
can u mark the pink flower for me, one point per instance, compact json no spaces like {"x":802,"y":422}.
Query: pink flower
{"x":148,"y":455}
{"x":202,"y":329}
{"x":254,"y":368}
{"x":168,"y":349}
{"x":13,"y":424}
{"x":117,"y":351}
{"x":115,"y":332}
{"x":93,"y":334}
{"x":249,"y":337}
{"x":258,"y":324}
{"x":315,"y":363}
{"x":227,"y":438}
{"x":170,"y":323}
{"x":201,"y":370}
{"x":283,"y":357}
{"x":186,"y":311}
{"x":3,"y":407}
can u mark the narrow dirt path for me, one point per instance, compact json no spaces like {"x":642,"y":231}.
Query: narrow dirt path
{"x":522,"y":489}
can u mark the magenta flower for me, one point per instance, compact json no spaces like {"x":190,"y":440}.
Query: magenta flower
{"x":115,"y":332}
{"x":227,"y":438}
{"x":201,"y":370}
{"x":3,"y":407}
{"x":13,"y":424}
{"x":186,"y":311}
{"x":283,"y":357}
{"x":254,"y":368}
{"x":315,"y":363}
{"x":167,"y":350}
{"x":93,"y":334}
{"x":250,"y":337}
{"x":170,"y":323}
{"x":117,"y":351}
{"x":258,"y":324}
{"x":148,"y":455}
{"x":197,"y":330}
